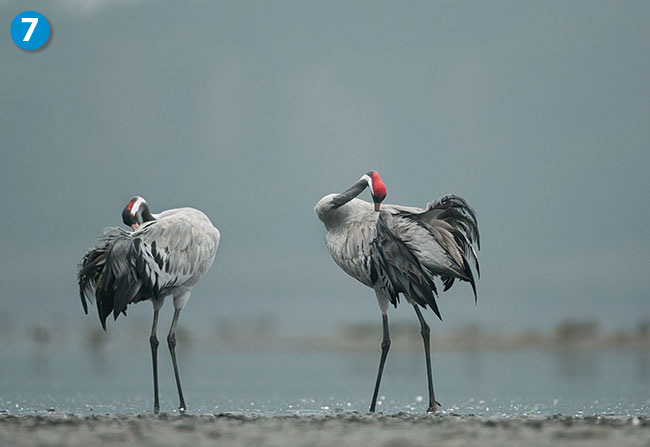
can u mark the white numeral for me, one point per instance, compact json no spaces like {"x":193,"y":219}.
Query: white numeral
{"x":31,"y":28}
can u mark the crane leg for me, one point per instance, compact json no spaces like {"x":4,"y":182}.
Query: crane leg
{"x":385,"y":346}
{"x":171,"y":342}
{"x":153,"y":340}
{"x":425,"y":331}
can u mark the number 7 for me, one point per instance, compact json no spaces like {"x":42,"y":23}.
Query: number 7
{"x":33,"y":22}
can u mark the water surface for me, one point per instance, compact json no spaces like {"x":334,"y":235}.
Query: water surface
{"x":279,"y":381}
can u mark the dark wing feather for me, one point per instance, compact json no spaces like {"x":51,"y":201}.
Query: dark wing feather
{"x":456,"y":212}
{"x":414,"y":246}
{"x":401,"y":266}
{"x":454,"y":226}
{"x":91,"y":266}
{"x":126,"y":291}
{"x":127,"y":267}
{"x":103,"y":272}
{"x":106,"y":275}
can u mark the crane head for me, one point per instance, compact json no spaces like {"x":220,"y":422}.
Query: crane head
{"x":136,"y":212}
{"x":377,"y":188}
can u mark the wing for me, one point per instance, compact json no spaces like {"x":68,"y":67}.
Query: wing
{"x":126,"y":267}
{"x":454,"y":225}
{"x":441,"y":237}
{"x":399,"y":268}
{"x":105,"y":274}
{"x":350,"y":248}
{"x":173,"y":251}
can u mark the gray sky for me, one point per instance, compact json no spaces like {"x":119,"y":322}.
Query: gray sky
{"x":537,"y":113}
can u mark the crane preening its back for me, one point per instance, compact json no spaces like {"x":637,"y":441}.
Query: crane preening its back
{"x":165,"y":256}
{"x":400,"y":250}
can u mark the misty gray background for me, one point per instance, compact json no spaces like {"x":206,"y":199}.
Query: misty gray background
{"x":537,"y":114}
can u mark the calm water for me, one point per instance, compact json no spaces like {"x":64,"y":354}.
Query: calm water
{"x":572,"y":382}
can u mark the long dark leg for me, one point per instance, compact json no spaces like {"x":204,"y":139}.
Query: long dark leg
{"x":153,"y":340}
{"x":425,"y":331}
{"x":171,"y":342}
{"x":385,"y":346}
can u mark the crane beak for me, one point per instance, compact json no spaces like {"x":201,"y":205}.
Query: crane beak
{"x":377,"y":206}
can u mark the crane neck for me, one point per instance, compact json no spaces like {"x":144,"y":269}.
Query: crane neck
{"x":349,"y":194}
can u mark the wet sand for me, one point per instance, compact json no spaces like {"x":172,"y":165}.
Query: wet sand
{"x":337,"y":429}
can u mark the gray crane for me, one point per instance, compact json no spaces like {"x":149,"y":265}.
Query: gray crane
{"x":164,"y":256}
{"x":400,"y":250}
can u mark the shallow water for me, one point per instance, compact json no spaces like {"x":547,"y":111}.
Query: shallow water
{"x":499,"y":383}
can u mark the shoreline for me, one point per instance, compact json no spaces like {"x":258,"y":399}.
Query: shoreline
{"x":340,"y":429}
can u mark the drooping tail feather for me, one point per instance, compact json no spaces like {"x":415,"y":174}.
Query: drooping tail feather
{"x":403,"y":269}
{"x":105,"y":275}
{"x":411,"y":248}
{"x":463,"y":225}
{"x":456,"y":211}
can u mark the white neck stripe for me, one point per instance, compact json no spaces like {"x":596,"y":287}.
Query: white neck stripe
{"x":367,"y":178}
{"x":136,"y":205}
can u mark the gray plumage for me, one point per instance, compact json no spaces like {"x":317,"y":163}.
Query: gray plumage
{"x":402,"y":249}
{"x":399,"y":250}
{"x":164,"y":257}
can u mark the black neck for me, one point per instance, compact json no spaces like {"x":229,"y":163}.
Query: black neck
{"x":350,"y":193}
{"x":146,"y":214}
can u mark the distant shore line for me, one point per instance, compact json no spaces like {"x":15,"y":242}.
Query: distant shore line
{"x":571,"y":334}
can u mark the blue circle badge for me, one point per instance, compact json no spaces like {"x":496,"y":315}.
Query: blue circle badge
{"x":30,"y":30}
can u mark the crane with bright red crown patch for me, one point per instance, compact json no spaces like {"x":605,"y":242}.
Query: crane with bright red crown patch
{"x":398,"y":249}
